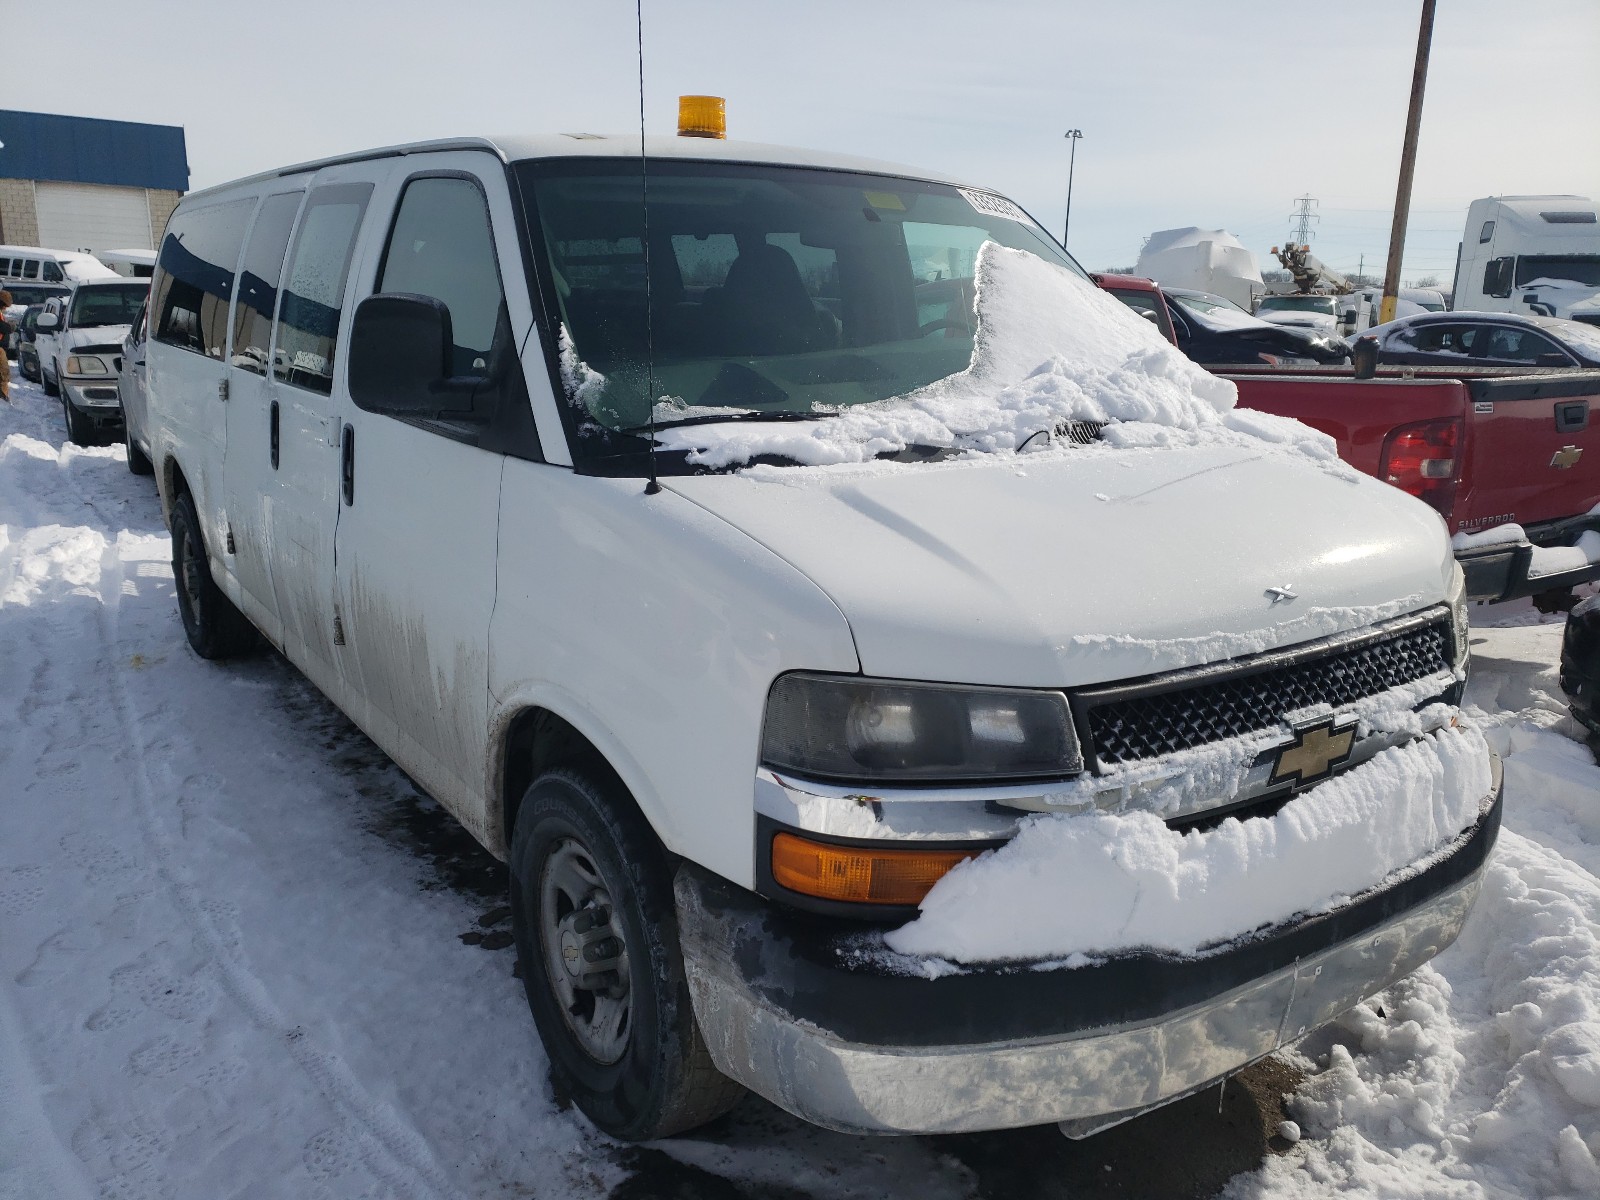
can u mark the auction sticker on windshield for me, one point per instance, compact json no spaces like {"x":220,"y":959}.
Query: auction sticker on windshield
{"x":994,"y":206}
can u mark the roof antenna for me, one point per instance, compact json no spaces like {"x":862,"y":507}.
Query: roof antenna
{"x":654,"y":485}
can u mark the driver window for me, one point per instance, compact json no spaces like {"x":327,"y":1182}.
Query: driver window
{"x":442,"y":246}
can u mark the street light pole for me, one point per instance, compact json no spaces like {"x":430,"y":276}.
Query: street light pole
{"x":1072,"y":136}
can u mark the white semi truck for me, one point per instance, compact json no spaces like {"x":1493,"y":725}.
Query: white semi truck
{"x":1531,"y":254}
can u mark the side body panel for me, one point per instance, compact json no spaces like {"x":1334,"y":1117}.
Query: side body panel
{"x":417,"y":537}
{"x":656,"y":630}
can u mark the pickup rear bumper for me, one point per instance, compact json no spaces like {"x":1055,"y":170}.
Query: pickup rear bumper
{"x":1509,"y":572}
{"x":800,"y":1009}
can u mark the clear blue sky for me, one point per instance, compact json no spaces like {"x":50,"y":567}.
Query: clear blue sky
{"x":1211,"y":114}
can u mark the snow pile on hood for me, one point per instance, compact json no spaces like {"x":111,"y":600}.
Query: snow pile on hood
{"x":1049,"y":347}
{"x":1099,"y":883}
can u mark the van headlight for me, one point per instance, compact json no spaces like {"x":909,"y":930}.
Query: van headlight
{"x":847,"y":729}
{"x":1460,"y":623}
{"x":85,"y":365}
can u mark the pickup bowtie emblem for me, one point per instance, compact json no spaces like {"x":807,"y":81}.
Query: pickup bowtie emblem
{"x":1282,"y":595}
{"x":1567,"y":456}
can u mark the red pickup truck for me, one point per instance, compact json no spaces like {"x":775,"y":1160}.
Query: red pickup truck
{"x":1487,"y":447}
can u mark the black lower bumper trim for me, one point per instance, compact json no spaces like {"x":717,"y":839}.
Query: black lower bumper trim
{"x":831,"y":974}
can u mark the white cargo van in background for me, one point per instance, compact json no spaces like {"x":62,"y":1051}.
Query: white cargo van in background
{"x":789,"y":587}
{"x":1531,"y":254}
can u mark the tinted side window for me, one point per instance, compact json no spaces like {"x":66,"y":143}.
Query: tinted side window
{"x":258,"y":281}
{"x":319,"y":264}
{"x":195,"y":276}
{"x":1519,"y":345}
{"x":442,"y":246}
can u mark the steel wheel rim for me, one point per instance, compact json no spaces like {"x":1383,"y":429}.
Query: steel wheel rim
{"x":189,"y":567}
{"x":586,"y":958}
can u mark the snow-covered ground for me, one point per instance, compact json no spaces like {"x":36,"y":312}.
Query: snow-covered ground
{"x":241,"y":957}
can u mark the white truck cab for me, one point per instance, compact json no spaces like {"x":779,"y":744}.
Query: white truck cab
{"x":1531,"y":254}
{"x":748,"y":575}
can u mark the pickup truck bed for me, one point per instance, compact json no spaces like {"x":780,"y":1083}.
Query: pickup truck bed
{"x":1486,"y":447}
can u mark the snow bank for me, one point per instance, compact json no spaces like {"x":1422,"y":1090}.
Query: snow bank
{"x":1049,"y":347}
{"x":1479,"y":1076}
{"x":1100,"y":883}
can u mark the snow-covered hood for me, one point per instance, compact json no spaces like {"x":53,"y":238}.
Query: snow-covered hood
{"x":1088,"y":564}
{"x":1316,"y":322}
{"x":1567,"y":297}
{"x":95,"y":335}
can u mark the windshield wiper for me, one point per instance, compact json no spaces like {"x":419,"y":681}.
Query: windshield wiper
{"x":748,"y":414}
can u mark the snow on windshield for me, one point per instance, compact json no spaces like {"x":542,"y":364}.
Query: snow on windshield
{"x":1049,"y":348}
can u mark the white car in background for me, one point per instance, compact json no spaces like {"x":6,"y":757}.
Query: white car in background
{"x":79,"y":339}
{"x":130,"y":264}
{"x":1312,"y":313}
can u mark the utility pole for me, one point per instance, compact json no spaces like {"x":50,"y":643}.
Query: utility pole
{"x":1072,"y":136}
{"x":1303,"y":218}
{"x":1408,"y":163}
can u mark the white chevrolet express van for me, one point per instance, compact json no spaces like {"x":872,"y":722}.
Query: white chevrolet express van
{"x":762,"y":570}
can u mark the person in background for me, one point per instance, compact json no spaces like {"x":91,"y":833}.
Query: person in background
{"x":5,"y":336}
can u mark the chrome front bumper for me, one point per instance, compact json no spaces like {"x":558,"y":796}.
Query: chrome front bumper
{"x":1091,"y":1077}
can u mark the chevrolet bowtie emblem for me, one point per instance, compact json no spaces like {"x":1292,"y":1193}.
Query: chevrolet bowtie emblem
{"x":1282,"y":595}
{"x":1315,"y":752}
{"x":1567,"y":456}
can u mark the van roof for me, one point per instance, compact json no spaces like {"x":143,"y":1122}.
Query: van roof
{"x":517,"y":147}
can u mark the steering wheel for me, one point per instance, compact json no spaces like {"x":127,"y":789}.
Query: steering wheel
{"x":943,"y":323}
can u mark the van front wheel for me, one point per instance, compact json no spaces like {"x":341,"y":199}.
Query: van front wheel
{"x":597,"y":934}
{"x":215,"y":628}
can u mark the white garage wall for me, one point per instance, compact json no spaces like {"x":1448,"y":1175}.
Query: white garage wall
{"x":76,"y":216}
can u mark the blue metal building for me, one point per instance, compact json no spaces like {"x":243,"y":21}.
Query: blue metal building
{"x":82,"y":183}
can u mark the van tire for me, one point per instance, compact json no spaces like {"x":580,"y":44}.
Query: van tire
{"x":51,"y":388}
{"x":662,"y":1080}
{"x":214,"y":627}
{"x":138,"y":461}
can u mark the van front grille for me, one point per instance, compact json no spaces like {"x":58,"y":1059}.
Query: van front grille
{"x":1156,"y":718}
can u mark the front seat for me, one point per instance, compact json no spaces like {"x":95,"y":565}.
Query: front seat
{"x":763,"y":306}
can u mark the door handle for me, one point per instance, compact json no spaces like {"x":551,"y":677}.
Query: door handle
{"x":347,"y":465}
{"x":1572,"y":416}
{"x":272,"y":432}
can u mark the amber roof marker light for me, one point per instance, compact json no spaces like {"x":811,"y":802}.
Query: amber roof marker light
{"x":702,"y":116}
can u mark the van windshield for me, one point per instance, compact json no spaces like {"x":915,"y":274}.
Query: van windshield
{"x":771,"y":290}
{"x":111,"y":304}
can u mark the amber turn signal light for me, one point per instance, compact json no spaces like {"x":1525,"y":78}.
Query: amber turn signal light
{"x":856,"y":874}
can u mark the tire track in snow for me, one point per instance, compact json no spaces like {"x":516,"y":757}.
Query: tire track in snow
{"x":411,"y":1166}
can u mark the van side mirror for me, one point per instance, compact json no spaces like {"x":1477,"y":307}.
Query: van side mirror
{"x":400,"y":350}
{"x":1364,"y":357}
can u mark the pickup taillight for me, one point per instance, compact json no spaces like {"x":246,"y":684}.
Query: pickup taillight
{"x":1423,"y":459}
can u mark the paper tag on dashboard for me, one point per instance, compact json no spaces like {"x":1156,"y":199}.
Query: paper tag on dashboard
{"x":994,"y":206}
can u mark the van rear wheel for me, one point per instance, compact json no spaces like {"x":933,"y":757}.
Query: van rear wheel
{"x":215,"y":628}
{"x":597,"y":934}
